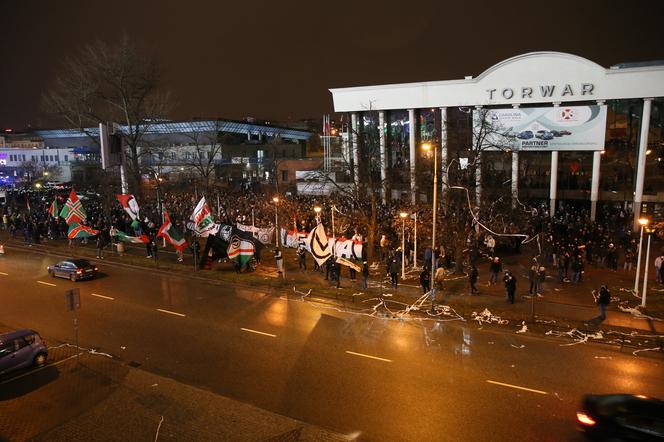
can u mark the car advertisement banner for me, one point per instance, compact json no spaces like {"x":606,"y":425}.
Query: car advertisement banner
{"x":542,"y":128}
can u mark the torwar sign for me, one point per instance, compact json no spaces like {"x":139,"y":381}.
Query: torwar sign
{"x":542,"y":91}
{"x":545,"y":128}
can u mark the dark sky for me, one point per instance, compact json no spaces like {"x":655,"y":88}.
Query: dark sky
{"x":276,"y":59}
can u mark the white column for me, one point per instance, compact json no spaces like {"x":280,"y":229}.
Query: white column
{"x":356,"y":160}
{"x":383,"y":155}
{"x":553,"y":179}
{"x":515,"y":177}
{"x":478,"y":179}
{"x":641,"y":164}
{"x":443,"y":150}
{"x":345,"y":146}
{"x":594,"y":187}
{"x":413,"y":150}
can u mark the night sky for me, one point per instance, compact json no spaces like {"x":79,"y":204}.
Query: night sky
{"x":276,"y":59}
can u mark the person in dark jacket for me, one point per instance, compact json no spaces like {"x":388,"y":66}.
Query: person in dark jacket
{"x":472,"y":280}
{"x":425,"y":280}
{"x":495,"y":268}
{"x":510,"y":286}
{"x":365,"y":274}
{"x":393,"y":270}
{"x":603,"y":301}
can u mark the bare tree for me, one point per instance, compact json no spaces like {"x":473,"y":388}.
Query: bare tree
{"x":102,"y":83}
{"x":206,"y":153}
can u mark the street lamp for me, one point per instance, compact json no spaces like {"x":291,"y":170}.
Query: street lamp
{"x":645,"y":276}
{"x":317,"y":209}
{"x":427,"y":147}
{"x":403,"y":216}
{"x":643,"y":222}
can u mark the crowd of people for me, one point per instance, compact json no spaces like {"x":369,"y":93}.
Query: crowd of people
{"x":567,"y":242}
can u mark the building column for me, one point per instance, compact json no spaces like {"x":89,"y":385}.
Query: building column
{"x":355,"y":160}
{"x":594,"y":188}
{"x":553,"y":179}
{"x":515,"y":178}
{"x":383,"y":155}
{"x":641,"y":164}
{"x":412,"y":151}
{"x":443,"y":152}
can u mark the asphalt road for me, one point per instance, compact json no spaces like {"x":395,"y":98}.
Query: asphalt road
{"x":381,"y":379}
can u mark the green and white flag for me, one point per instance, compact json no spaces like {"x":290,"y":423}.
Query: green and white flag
{"x":120,"y":235}
{"x":204,"y":224}
{"x":241,"y":250}
{"x":171,"y":234}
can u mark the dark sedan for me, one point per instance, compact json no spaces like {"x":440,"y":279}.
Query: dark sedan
{"x":623,"y":417}
{"x":73,"y":269}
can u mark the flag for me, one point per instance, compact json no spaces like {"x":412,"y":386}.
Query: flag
{"x":240,"y":249}
{"x":73,"y":210}
{"x":264,"y":234}
{"x":203,"y":223}
{"x":129,"y":204}
{"x":171,"y":234}
{"x":54,"y":210}
{"x":318,"y":245}
{"x":79,"y":231}
{"x":143,"y":239}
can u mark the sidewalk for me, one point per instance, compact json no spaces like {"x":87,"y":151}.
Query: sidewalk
{"x":102,"y":399}
{"x":561,"y":301}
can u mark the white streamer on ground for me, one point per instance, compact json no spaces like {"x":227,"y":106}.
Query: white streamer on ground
{"x":578,"y":336}
{"x":646,"y":349}
{"x":91,"y":351}
{"x":486,"y":317}
{"x":518,"y":346}
{"x":637,"y":313}
{"x":156,"y":436}
{"x":523,"y":329}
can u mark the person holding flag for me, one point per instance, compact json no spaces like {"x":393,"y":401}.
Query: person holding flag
{"x":54,"y":209}
{"x":170,"y":233}
{"x":73,"y":210}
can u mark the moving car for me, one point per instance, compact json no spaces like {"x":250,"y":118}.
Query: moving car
{"x":20,"y":349}
{"x":73,"y":269}
{"x":622,"y":417}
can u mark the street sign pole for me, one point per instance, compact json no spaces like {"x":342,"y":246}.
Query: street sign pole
{"x":73,"y":303}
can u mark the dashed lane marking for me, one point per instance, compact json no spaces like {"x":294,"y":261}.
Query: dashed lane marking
{"x":4,"y":274}
{"x":170,"y":312}
{"x":368,"y":356}
{"x":517,"y":387}
{"x":258,"y":332}
{"x":46,"y":283}
{"x":103,"y":297}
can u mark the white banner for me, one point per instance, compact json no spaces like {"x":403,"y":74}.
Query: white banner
{"x":264,"y":234}
{"x":542,"y":128}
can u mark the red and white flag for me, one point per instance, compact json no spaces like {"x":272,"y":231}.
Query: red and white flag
{"x":129,"y":204}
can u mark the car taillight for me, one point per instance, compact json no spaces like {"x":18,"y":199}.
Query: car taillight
{"x":96,"y":269}
{"x":79,"y":271}
{"x":584,"y":419}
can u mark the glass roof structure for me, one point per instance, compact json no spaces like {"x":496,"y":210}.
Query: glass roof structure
{"x":179,"y":127}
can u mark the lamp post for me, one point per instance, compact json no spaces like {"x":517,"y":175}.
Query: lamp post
{"x":415,"y":244}
{"x":403,"y":216}
{"x":317,"y":209}
{"x":276,"y":229}
{"x":643,"y":222}
{"x":645,"y":276}
{"x":332,"y":210}
{"x":427,"y":147}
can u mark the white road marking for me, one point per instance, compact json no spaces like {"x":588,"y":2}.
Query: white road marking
{"x":517,"y":387}
{"x":102,"y":296}
{"x":38,"y":369}
{"x":368,"y":356}
{"x":258,"y":332}
{"x":4,"y":274}
{"x":46,"y":283}
{"x":170,"y":312}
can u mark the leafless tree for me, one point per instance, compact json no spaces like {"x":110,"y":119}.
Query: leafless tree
{"x":110,"y":83}
{"x":206,"y":150}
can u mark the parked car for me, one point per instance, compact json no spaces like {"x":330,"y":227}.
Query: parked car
{"x":74,"y":269}
{"x":20,"y":349}
{"x":525,"y":135}
{"x":622,"y":417}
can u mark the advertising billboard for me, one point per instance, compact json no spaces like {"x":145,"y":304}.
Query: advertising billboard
{"x":542,"y":128}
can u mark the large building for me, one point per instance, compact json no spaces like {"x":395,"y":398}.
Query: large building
{"x":569,"y":129}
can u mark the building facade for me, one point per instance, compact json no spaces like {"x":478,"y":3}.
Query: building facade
{"x":531,"y":96}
